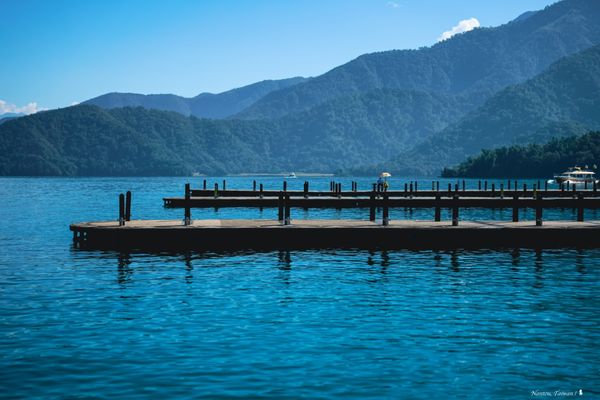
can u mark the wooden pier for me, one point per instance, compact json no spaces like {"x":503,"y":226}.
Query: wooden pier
{"x":378,"y":231}
{"x":315,"y":234}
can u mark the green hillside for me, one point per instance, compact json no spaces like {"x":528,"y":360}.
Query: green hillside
{"x":533,"y":160}
{"x":87,"y":140}
{"x":564,"y":100}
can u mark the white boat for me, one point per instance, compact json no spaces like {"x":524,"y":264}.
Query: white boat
{"x":576,"y":175}
{"x":292,"y":175}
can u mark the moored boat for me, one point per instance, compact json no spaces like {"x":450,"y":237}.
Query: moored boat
{"x":576,"y":175}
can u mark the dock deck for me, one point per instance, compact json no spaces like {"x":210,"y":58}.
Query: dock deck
{"x":306,"y":234}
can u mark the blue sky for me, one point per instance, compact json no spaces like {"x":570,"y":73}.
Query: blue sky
{"x":57,"y":52}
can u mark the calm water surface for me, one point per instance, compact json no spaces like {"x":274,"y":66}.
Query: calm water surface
{"x":314,"y":324}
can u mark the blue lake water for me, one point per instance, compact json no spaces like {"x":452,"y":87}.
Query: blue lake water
{"x":313,"y":324}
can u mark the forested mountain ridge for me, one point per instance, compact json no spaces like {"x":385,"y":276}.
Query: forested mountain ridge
{"x":560,"y":101}
{"x":87,"y":140}
{"x":205,"y":105}
{"x":476,"y":63}
{"x":531,"y":161}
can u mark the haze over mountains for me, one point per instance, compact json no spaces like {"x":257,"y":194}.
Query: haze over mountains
{"x":411,"y":111}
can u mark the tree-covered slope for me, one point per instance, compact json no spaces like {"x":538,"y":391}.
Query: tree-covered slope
{"x":87,"y":140}
{"x":205,"y":105}
{"x":531,"y":161}
{"x":563,"y":100}
{"x":477,"y":63}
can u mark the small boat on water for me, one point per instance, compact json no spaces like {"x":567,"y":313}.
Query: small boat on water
{"x":576,"y":175}
{"x":291,"y":175}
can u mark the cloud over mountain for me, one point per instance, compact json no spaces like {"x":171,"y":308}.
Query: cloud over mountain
{"x":465,"y":25}
{"x":30,"y":108}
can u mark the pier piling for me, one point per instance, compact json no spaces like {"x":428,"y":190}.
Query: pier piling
{"x":121,"y":209}
{"x":455,"y":211}
{"x":128,"y":206}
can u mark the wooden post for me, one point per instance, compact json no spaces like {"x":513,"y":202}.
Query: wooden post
{"x":493,"y":189}
{"x":479,"y":186}
{"x":216,"y":190}
{"x":386,"y":210}
{"x":437,"y":186}
{"x":456,"y":187}
{"x":372,"y":206}
{"x":128,"y":206}
{"x":288,"y":219}
{"x":585,"y":185}
{"x":568,"y":186}
{"x":187,"y":217}
{"x":485,"y":186}
{"x":546,"y":186}
{"x":280,"y":207}
{"x":524,"y":189}
{"x":432,"y":186}
{"x":285,"y":186}
{"x":204,"y":185}
{"x":224,"y":185}
{"x":121,"y":209}
{"x":416,"y":186}
{"x":411,"y":187}
{"x":508,"y":188}
{"x":516,"y":186}
{"x":254,"y":186}
{"x":331,"y":186}
{"x":405,"y":189}
{"x":538,"y":210}
{"x":502,"y":190}
{"x":464,"y":185}
{"x":515,"y":212}
{"x":449,"y":189}
{"x":306,"y":190}
{"x":339,"y":190}
{"x":455,"y":211}
{"x":261,"y":191}
{"x":438,"y":211}
{"x":580,"y":207}
{"x":574,"y":188}
{"x":562,"y":187}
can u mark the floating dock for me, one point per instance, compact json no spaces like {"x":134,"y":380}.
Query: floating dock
{"x":164,"y":235}
{"x":395,"y":202}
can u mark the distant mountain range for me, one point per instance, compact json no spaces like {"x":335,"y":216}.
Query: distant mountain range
{"x":408,"y":111}
{"x":476,"y":64}
{"x":8,"y":116}
{"x":205,"y":105}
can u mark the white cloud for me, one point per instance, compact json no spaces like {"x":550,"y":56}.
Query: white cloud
{"x":30,"y":108}
{"x":393,"y":4}
{"x":465,"y":25}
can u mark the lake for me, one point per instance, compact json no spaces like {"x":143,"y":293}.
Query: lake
{"x":496,"y":323}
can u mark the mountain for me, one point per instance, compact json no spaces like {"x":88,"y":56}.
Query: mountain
{"x":8,"y":116}
{"x":205,"y":105}
{"x":88,"y":140}
{"x":531,"y":161}
{"x":563,"y":100}
{"x":477,"y":63}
